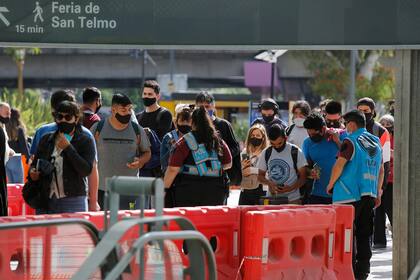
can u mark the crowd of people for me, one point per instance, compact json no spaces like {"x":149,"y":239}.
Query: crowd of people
{"x":323,"y":157}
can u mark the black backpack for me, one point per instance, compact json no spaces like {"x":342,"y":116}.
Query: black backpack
{"x":293,"y":152}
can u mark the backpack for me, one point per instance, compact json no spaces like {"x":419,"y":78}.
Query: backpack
{"x":293,"y":152}
{"x":153,"y":139}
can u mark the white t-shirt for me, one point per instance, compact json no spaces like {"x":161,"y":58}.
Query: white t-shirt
{"x":280,"y":168}
{"x":297,"y":136}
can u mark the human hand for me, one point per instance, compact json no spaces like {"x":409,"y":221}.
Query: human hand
{"x":34,"y":174}
{"x":246,"y":172}
{"x":330,"y":189}
{"x":332,"y":135}
{"x":136,"y":164}
{"x":285,"y":189}
{"x":62,"y":142}
{"x":94,"y":206}
{"x":272,"y":187}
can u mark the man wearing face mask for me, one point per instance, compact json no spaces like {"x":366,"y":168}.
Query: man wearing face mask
{"x":71,"y":154}
{"x":367,"y":106}
{"x":320,"y":150}
{"x":225,"y":130}
{"x":333,"y":115}
{"x":123,"y":147}
{"x":269,"y":114}
{"x":356,"y":179}
{"x":92,"y":103}
{"x":296,"y":133}
{"x":155,"y":117}
{"x":284,"y":165}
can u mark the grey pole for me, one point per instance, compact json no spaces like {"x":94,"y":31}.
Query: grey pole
{"x":406,"y":206}
{"x":273,"y":65}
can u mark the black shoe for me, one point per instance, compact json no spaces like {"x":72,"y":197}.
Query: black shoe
{"x":379,"y":246}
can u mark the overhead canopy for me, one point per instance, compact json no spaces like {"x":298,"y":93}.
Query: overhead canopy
{"x":211,"y":23}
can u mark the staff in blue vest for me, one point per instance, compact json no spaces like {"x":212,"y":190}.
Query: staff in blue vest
{"x":196,"y":166}
{"x":356,"y":179}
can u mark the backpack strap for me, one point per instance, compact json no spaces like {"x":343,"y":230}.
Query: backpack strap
{"x":191,"y":142}
{"x":375,"y":129}
{"x":268,"y":155}
{"x":289,"y":129}
{"x":99,"y":128}
{"x":294,"y":153}
{"x":136,"y":128}
{"x":174,"y":135}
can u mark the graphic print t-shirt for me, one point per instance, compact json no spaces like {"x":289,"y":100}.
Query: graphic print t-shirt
{"x":280,"y":168}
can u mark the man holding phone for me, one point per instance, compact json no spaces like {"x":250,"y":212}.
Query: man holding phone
{"x":123,"y":146}
{"x":282,"y":166}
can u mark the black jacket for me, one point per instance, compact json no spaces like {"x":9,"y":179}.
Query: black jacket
{"x":3,"y":186}
{"x":78,"y":160}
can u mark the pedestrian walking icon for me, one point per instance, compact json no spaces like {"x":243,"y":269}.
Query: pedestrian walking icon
{"x":38,"y":13}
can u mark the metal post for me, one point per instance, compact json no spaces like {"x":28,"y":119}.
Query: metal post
{"x":172,"y":63}
{"x":352,"y":90}
{"x":273,"y":68}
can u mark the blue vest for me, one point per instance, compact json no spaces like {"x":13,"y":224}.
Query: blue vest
{"x":360,"y":175}
{"x":201,"y":158}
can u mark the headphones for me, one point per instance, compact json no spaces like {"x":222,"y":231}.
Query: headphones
{"x":269,"y":104}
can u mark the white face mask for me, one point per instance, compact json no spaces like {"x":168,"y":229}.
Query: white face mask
{"x":298,"y":122}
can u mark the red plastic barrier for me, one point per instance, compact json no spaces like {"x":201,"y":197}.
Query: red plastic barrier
{"x":16,"y":204}
{"x":289,"y":244}
{"x":344,"y":242}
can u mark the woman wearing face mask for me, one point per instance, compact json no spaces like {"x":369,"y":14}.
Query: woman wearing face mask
{"x":296,"y":133}
{"x":251,"y":189}
{"x":62,"y":163}
{"x":183,"y":126}
{"x":198,"y":163}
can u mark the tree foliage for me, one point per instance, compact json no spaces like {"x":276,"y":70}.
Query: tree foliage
{"x":33,"y":109}
{"x":331,"y":74}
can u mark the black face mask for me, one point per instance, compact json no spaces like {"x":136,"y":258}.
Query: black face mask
{"x":279,"y":150}
{"x":391,"y":112}
{"x":184,"y":129}
{"x":123,"y":119}
{"x":368,"y":117}
{"x":333,"y":123}
{"x":268,"y":119}
{"x":4,"y":120}
{"x":66,"y":127}
{"x":317,"y":138}
{"x":256,"y":142}
{"x":148,"y":101}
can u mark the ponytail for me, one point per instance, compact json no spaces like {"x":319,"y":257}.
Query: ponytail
{"x":205,"y":132}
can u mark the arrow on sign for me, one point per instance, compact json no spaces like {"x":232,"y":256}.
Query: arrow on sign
{"x":2,"y":17}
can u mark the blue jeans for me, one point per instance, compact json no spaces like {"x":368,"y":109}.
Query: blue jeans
{"x":14,"y":170}
{"x":65,"y":205}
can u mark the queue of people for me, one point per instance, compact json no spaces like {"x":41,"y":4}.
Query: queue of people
{"x":323,"y":157}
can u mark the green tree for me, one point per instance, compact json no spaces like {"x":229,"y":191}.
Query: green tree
{"x":33,"y":109}
{"x":330,"y":71}
{"x":19,"y":55}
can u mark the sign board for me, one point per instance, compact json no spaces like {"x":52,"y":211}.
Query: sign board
{"x":204,"y":23}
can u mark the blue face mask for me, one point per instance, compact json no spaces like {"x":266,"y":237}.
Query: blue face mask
{"x":210,"y":113}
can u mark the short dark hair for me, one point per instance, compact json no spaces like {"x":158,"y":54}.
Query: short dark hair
{"x":276,"y":131}
{"x":314,"y":121}
{"x":204,"y":97}
{"x":333,"y":107}
{"x":69,"y":107}
{"x":304,"y":107}
{"x":60,"y":96}
{"x":185,"y":114}
{"x":152,"y":84}
{"x":356,"y":117}
{"x":367,"y":101}
{"x":90,"y":94}
{"x":269,"y":104}
{"x":121,"y":99}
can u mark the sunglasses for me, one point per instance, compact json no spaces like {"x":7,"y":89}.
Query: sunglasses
{"x":59,"y":117}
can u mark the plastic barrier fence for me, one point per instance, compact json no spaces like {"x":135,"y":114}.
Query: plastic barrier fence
{"x":289,"y":244}
{"x":16,"y":204}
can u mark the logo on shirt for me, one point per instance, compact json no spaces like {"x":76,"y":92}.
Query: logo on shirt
{"x":368,"y":145}
{"x":279,"y":171}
